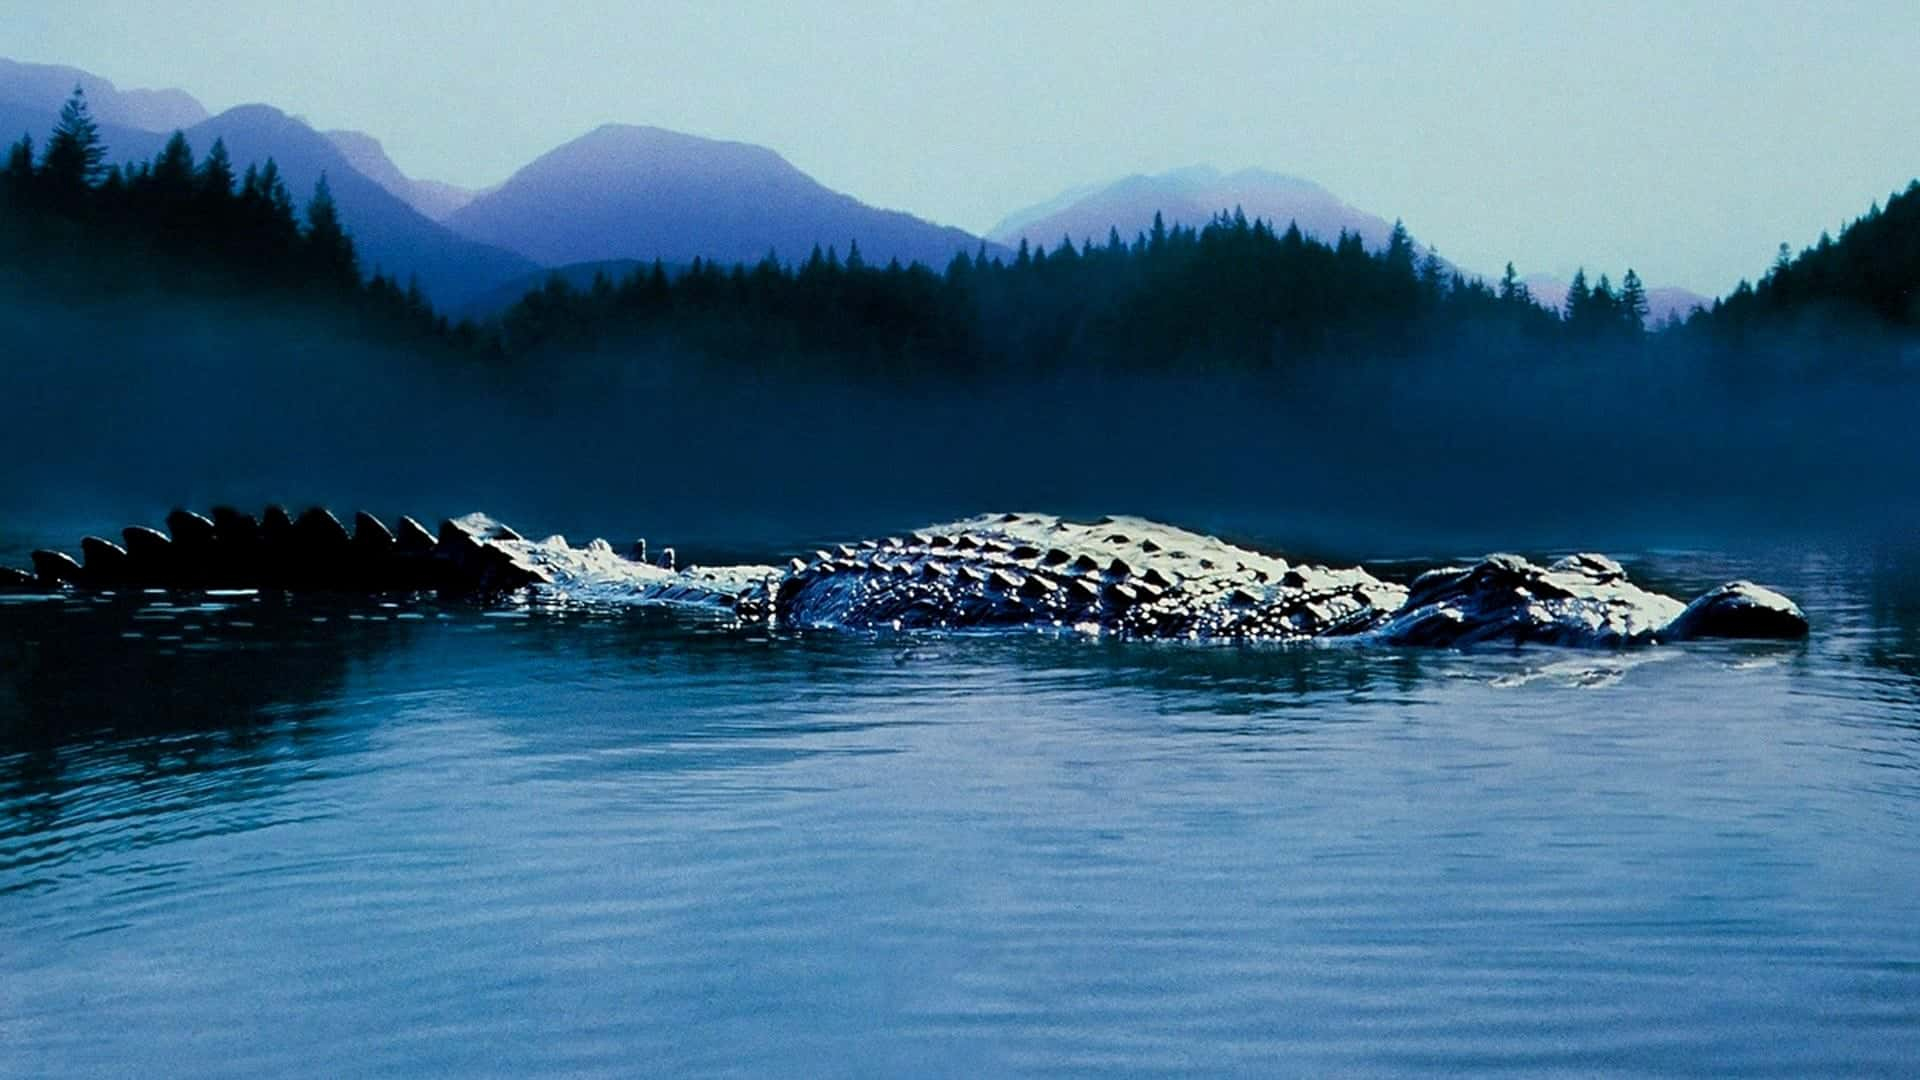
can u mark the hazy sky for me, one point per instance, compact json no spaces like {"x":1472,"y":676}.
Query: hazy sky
{"x":1686,"y":140}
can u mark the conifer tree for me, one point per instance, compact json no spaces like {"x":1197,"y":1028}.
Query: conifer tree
{"x":1432,"y":275}
{"x":328,"y":248}
{"x":74,"y":150}
{"x":1400,"y":251}
{"x":216,"y":173}
{"x":1603,"y":308}
{"x":19,"y":173}
{"x":1512,"y":289}
{"x":1633,"y":302}
{"x":173,"y":172}
{"x":1579,"y":298}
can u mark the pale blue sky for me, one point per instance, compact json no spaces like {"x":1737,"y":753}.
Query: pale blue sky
{"x":1684,"y":139}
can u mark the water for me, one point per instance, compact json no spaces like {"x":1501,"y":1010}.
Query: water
{"x":241,"y":836}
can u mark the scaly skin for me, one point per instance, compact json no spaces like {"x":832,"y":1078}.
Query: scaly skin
{"x":1125,"y":576}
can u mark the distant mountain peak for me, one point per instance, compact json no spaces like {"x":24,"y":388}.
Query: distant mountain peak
{"x":434,"y":198}
{"x":47,"y":86}
{"x":1204,"y":173}
{"x":389,"y":234}
{"x":258,"y":115}
{"x":1189,"y":196}
{"x":631,"y":191}
{"x":628,"y":150}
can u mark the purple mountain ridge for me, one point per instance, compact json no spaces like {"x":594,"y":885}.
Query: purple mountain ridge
{"x":1189,"y":196}
{"x":1192,"y":196}
{"x":45,"y":87}
{"x":622,"y":192}
{"x":434,"y":198}
{"x":390,"y":235}
{"x":625,"y":192}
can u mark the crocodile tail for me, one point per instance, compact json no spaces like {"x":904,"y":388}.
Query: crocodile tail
{"x":312,"y":552}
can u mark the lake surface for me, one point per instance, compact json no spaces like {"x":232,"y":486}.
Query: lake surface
{"x":246,"y":836}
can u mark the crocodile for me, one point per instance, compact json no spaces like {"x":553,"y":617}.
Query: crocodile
{"x":1124,"y":576}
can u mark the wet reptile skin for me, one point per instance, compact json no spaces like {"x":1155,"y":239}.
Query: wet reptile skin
{"x":1118,"y":575}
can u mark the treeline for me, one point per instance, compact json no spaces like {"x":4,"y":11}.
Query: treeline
{"x":1233,"y":294}
{"x":1236,"y":292}
{"x":1869,"y":276}
{"x":179,"y":226}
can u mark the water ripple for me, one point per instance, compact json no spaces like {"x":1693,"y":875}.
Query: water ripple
{"x":600,"y":844}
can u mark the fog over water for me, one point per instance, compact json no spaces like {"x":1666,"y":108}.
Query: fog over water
{"x":241,"y":834}
{"x":150,"y":409}
{"x":250,"y":832}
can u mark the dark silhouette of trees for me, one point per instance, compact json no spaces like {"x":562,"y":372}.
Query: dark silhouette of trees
{"x":328,"y":250}
{"x":1633,"y":303}
{"x":20,"y":175}
{"x":1513,"y":291}
{"x":74,"y":150}
{"x":1598,"y":312}
{"x":216,"y":175}
{"x":1579,"y":299}
{"x":175,"y":226}
{"x":172,"y":175}
{"x":1235,"y":293}
{"x":1869,"y":276}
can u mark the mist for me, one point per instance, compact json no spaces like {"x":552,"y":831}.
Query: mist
{"x":114,"y":411}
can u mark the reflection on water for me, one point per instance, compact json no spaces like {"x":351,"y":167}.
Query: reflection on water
{"x":242,"y":835}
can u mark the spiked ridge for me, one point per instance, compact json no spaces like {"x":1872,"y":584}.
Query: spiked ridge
{"x":314,"y":552}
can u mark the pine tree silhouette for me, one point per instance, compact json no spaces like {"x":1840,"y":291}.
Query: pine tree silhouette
{"x":74,"y":150}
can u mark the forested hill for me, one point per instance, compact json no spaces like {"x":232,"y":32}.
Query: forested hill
{"x":1869,"y":276}
{"x":177,"y":229}
{"x":1236,"y":294}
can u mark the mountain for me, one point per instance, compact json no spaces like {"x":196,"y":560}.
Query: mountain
{"x":1189,"y":196}
{"x":130,"y":121}
{"x":436,"y":199}
{"x":36,"y":119}
{"x":46,"y":86}
{"x":1551,"y":291}
{"x":390,"y":235}
{"x":624,"y":192}
{"x":1672,"y":300}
